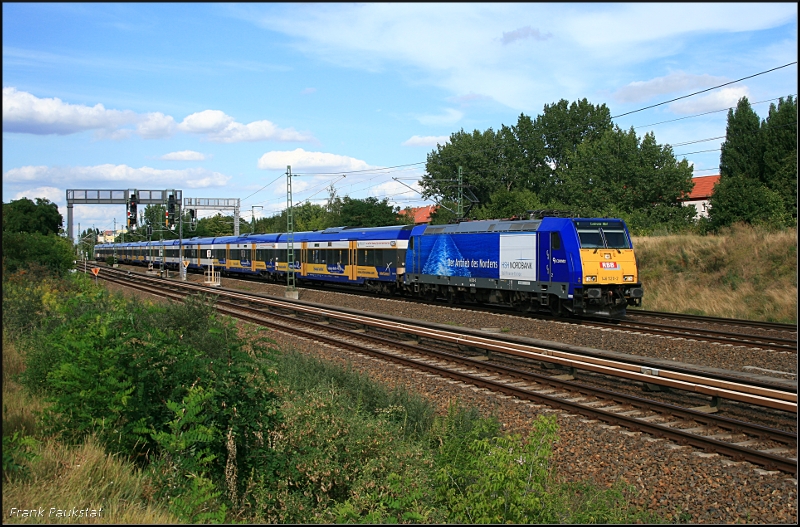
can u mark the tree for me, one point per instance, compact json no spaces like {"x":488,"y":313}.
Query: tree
{"x":479,"y":155}
{"x":619,"y":175}
{"x":22,"y":249}
{"x":741,"y":199}
{"x":23,"y":215}
{"x":368,"y":212}
{"x":531,"y":155}
{"x":780,"y":152}
{"x":217,"y":225}
{"x":758,"y":167}
{"x":742,"y":152}
{"x":509,"y":203}
{"x":564,"y":126}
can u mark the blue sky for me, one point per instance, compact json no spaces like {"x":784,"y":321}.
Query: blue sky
{"x":217,"y":99}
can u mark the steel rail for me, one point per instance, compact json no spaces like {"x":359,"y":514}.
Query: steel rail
{"x":716,"y":320}
{"x":740,"y":339}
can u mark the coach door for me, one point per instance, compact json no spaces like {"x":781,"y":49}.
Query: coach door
{"x":545,"y":263}
{"x":559,"y":270}
{"x":351,"y":265}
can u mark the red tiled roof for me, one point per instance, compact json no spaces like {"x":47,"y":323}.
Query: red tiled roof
{"x":421,"y":214}
{"x":703,"y":187}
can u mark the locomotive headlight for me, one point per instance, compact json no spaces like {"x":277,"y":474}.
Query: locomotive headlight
{"x":592,"y":278}
{"x":627,"y":278}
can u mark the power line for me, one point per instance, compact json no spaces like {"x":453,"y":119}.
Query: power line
{"x":703,"y":91}
{"x":698,"y":141}
{"x":355,"y":171}
{"x":699,"y":152}
{"x":713,"y":111}
{"x":262,"y":188}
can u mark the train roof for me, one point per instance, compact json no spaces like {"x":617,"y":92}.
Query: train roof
{"x":532,"y":225}
{"x":484,"y":226}
{"x":355,"y":233}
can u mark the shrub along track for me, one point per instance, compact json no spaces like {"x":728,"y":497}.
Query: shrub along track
{"x":670,"y":478}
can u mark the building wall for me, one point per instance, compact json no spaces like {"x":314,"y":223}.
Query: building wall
{"x":701,"y":205}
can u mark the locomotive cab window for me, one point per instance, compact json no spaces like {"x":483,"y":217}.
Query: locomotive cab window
{"x":602,"y":234}
{"x":616,"y":238}
{"x":590,"y":238}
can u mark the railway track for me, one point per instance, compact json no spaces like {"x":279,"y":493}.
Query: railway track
{"x":734,"y":322}
{"x":769,"y":447}
{"x":779,"y":337}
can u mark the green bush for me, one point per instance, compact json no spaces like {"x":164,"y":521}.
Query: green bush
{"x":116,"y":368}
{"x":412,"y":412}
{"x":17,"y":454}
{"x":343,"y":465}
{"x":22,"y":249}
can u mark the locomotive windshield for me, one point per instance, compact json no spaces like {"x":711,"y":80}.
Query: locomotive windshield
{"x":602,"y":235}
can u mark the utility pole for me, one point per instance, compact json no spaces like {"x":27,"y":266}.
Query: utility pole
{"x":253,"y":208}
{"x":291,"y":290}
{"x":460,"y":194}
{"x":114,"y":241}
{"x":181,"y":268}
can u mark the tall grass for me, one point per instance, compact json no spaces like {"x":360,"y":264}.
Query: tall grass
{"x":57,"y":476}
{"x":743,"y":272}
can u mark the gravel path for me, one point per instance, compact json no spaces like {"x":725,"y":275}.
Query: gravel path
{"x":679,"y":483}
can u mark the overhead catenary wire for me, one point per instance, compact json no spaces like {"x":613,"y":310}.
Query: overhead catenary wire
{"x":704,"y":91}
{"x":712,"y":111}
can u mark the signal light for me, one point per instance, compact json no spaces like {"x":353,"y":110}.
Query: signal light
{"x":170,"y":215}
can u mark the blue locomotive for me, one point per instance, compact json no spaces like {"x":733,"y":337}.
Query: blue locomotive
{"x":569,"y":266}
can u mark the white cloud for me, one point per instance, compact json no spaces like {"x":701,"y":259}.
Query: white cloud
{"x":26,"y":113}
{"x":26,"y":173}
{"x":258,"y":131}
{"x":299,"y":159}
{"x":715,"y":100}
{"x":206,"y":122}
{"x":674,"y":82}
{"x":308,"y":91}
{"x":184,"y":155}
{"x":626,"y":24}
{"x":55,"y":195}
{"x":222,"y":128}
{"x":428,"y":140}
{"x":156,"y":125}
{"x":100,"y":175}
{"x":449,"y":117}
{"x":394,"y":189}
